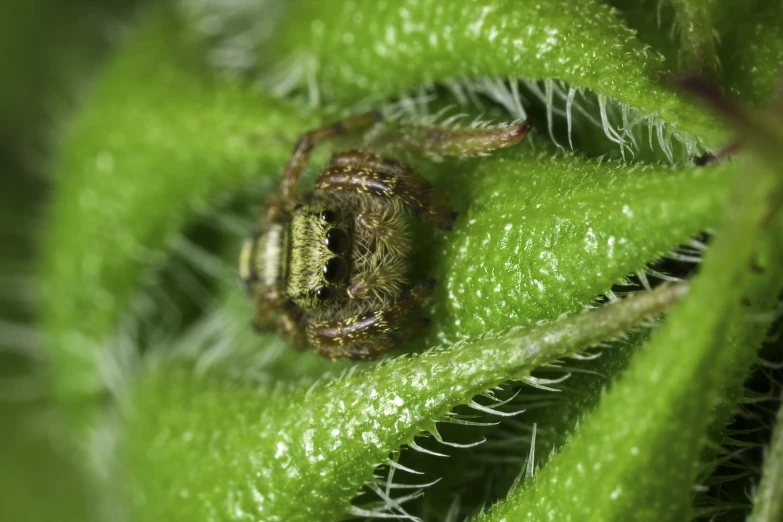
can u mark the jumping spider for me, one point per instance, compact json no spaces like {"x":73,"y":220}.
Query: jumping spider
{"x":328,"y":269}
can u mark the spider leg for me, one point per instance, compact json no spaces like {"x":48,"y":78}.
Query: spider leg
{"x":292,"y":330}
{"x":361,"y":171}
{"x":295,"y":166}
{"x":437,"y":142}
{"x":289,"y":326}
{"x":267,"y":309}
{"x":365,"y":337}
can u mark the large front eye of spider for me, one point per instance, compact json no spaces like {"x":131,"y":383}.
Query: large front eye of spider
{"x":335,"y":270}
{"x":336,"y":240}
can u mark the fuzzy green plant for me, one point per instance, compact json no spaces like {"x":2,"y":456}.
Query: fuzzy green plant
{"x":540,"y":390}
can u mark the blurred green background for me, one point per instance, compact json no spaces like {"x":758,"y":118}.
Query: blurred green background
{"x":50,"y":51}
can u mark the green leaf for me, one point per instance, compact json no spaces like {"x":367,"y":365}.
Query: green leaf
{"x":581,"y":226}
{"x":249,"y":453}
{"x":768,"y":502}
{"x":166,"y":148}
{"x":643,"y":465}
{"x":346,"y":51}
{"x":650,"y":459}
{"x":543,"y":235}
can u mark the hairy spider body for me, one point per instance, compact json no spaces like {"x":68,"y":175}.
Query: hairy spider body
{"x":366,"y":249}
{"x":329,"y":270}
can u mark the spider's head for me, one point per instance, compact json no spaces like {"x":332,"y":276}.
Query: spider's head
{"x":317,"y":267}
{"x":307,"y":257}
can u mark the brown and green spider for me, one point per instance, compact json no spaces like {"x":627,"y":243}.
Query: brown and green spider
{"x":329,"y":269}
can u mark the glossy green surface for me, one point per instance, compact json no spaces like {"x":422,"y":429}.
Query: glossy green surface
{"x":216,"y":422}
{"x":641,"y":445}
{"x":338,"y":46}
{"x":541,"y":235}
{"x":246,"y":451}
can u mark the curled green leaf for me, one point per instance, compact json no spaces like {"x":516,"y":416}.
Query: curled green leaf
{"x":248,"y":452}
{"x":643,"y":466}
{"x":558,"y":230}
{"x":336,"y":48}
{"x":165,"y":147}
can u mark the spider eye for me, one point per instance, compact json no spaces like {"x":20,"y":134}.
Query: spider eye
{"x":336,"y":240}
{"x":335,"y":270}
{"x":328,"y":216}
{"x":323,"y":293}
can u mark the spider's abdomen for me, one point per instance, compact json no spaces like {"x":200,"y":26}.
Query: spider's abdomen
{"x":261,"y":260}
